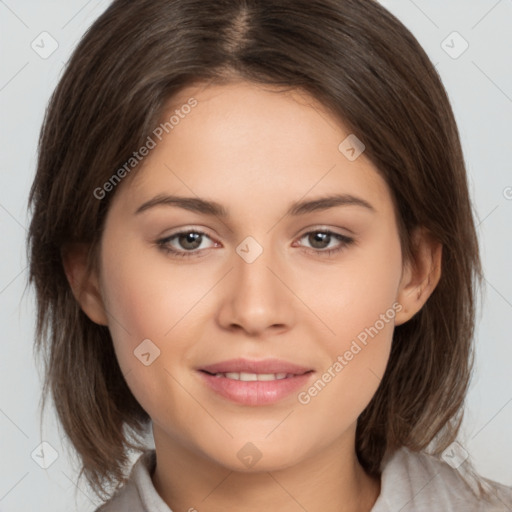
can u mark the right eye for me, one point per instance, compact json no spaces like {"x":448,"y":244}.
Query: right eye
{"x":183,"y":243}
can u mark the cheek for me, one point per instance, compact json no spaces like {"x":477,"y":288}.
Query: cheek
{"x":146,"y":294}
{"x":144,"y":302}
{"x":359,"y":306}
{"x":150,"y":298}
{"x":362,"y":289}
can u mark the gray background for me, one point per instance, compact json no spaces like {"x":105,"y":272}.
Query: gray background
{"x":479,"y":83}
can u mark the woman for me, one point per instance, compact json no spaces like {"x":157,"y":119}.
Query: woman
{"x":245,"y":236}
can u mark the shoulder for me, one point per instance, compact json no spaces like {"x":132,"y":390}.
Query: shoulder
{"x":416,"y":481}
{"x":138,"y":493}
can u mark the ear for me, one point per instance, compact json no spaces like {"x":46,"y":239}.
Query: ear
{"x":420,"y":276}
{"x":84,"y":284}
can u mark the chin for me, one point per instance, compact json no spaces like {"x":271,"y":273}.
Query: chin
{"x":246,"y":456}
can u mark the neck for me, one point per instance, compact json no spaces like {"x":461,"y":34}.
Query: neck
{"x":332,"y":480}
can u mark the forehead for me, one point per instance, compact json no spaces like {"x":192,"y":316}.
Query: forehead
{"x":243,"y":142}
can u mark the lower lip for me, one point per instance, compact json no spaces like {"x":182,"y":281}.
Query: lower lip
{"x":255,"y":392}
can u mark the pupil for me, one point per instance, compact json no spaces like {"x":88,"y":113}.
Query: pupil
{"x":190,"y":240}
{"x":320,"y":238}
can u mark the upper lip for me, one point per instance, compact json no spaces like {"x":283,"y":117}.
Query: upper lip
{"x":252,"y":366}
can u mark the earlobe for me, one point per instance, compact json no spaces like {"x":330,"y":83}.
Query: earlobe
{"x":420,"y":276}
{"x":84,"y":284}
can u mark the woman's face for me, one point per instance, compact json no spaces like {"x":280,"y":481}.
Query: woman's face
{"x":281,"y":274}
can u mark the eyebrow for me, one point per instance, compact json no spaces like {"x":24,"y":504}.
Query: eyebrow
{"x":198,"y":205}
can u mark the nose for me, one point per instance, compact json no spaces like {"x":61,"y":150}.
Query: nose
{"x":256,"y":297}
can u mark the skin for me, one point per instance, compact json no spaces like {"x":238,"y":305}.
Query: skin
{"x":255,"y":150}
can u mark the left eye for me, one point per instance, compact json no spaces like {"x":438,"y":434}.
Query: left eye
{"x":189,"y":242}
{"x":320,"y":240}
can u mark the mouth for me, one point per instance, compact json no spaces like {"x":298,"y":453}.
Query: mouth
{"x":251,"y":377}
{"x":255,"y":382}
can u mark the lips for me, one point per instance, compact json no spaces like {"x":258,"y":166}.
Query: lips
{"x":250,"y":382}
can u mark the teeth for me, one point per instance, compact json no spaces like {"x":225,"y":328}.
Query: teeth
{"x":246,"y":377}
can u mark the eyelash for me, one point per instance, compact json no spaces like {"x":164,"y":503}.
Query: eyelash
{"x":345,"y":242}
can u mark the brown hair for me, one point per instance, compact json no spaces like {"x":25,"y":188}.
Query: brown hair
{"x":360,"y":62}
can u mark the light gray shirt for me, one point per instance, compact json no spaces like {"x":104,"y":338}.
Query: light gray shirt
{"x":410,"y":482}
